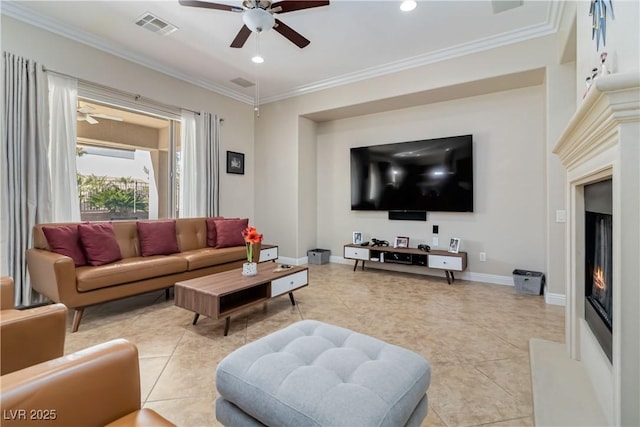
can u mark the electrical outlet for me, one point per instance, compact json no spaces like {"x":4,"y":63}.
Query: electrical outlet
{"x":483,"y":256}
{"x":435,"y":241}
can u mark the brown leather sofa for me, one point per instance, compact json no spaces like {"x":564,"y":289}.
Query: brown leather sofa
{"x":98,"y":386}
{"x":30,"y":336}
{"x":56,"y":276}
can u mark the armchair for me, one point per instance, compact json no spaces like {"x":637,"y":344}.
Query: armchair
{"x":29,"y":336}
{"x":98,"y":386}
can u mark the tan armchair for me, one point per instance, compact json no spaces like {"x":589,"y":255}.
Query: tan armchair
{"x":29,"y":336}
{"x":98,"y":386}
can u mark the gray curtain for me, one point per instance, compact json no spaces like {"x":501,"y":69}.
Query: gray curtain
{"x":208,"y":135}
{"x":24,"y":167}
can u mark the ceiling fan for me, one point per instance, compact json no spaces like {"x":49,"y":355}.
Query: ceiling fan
{"x":258,"y":16}
{"x":85,"y":114}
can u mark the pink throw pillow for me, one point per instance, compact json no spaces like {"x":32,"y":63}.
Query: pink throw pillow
{"x":64,"y":240}
{"x":100,"y":244}
{"x":157,"y":237}
{"x":229,"y":232}
{"x":211,"y":231}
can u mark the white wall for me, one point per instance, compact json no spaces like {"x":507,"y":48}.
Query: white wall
{"x":66,"y":56}
{"x":508,"y":222}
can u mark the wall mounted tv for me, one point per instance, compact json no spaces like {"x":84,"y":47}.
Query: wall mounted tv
{"x":428,"y":175}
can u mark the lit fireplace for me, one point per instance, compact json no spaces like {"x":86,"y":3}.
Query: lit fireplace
{"x":599,"y":262}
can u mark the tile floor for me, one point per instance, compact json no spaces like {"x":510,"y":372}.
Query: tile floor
{"x":476,"y":337}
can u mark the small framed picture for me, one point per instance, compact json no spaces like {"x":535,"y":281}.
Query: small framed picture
{"x":357,"y":238}
{"x":454,"y":245}
{"x":235,"y":162}
{"x":401,"y":242}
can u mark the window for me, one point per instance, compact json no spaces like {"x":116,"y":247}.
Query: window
{"x":126,"y":162}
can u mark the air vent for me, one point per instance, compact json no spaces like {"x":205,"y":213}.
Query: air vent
{"x":503,"y":5}
{"x":242,"y":82}
{"x":155,"y":24}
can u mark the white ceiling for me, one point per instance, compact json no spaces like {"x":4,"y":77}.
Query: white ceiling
{"x":350,"y":40}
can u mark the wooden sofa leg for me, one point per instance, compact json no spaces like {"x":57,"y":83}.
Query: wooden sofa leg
{"x":167,"y":295}
{"x":77,"y":317}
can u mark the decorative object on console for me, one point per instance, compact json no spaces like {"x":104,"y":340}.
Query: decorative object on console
{"x":425,"y":248}
{"x":253,"y":240}
{"x":401,"y":242}
{"x":454,"y":245}
{"x":357,"y":237}
{"x":377,"y":242}
{"x":235,"y":162}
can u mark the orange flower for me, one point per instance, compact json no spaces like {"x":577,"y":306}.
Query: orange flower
{"x":251,"y":235}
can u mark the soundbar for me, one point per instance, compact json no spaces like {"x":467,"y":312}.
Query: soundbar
{"x":408,"y":215}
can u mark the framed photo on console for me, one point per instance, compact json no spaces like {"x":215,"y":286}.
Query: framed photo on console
{"x":454,"y":245}
{"x":401,"y":242}
{"x":357,"y":238}
{"x":235,"y":162}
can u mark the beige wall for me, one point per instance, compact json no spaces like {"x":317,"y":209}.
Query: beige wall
{"x":66,"y":56}
{"x":508,"y":222}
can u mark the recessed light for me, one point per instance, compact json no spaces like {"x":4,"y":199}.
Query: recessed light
{"x":258,"y":59}
{"x":408,"y":5}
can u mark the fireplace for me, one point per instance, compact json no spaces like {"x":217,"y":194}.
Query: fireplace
{"x":599,"y":263}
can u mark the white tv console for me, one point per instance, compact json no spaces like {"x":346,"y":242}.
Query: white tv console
{"x":436,"y":259}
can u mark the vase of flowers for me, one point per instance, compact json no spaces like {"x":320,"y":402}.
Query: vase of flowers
{"x":253,"y":242}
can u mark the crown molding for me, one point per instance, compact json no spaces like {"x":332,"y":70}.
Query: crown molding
{"x":550,"y":26}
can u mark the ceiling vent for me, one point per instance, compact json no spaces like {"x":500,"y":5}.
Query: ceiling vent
{"x":155,"y":24}
{"x":503,"y":5}
{"x":242,"y":82}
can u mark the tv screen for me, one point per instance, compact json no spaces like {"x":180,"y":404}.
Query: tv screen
{"x":428,"y":175}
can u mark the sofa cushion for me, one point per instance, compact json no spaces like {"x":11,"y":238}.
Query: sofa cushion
{"x":128,"y":270}
{"x":99,"y":242}
{"x":65,"y":240}
{"x":201,"y":258}
{"x":157,"y":237}
{"x":314,"y":374}
{"x":229,"y":232}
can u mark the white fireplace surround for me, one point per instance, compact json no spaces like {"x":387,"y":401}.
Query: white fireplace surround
{"x":602,"y":141}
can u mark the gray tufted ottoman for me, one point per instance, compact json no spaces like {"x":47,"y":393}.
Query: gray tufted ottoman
{"x":314,"y":374}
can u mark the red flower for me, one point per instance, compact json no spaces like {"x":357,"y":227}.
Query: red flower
{"x":251,"y":235}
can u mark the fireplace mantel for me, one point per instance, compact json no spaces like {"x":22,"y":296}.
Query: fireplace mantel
{"x":602,"y":140}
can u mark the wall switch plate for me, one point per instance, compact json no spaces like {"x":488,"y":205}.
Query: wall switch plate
{"x":435,"y":229}
{"x":561,"y":216}
{"x":483,"y":256}
{"x":435,"y":241}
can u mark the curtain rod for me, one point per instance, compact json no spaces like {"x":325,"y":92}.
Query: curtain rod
{"x":135,"y":96}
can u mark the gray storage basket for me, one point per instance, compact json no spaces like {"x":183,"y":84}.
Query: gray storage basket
{"x":528,"y":282}
{"x":318,"y":256}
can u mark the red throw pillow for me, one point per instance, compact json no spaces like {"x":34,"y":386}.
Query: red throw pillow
{"x":100,"y":244}
{"x":211,"y":231}
{"x":157,"y":237}
{"x":229,"y":232}
{"x":64,"y":240}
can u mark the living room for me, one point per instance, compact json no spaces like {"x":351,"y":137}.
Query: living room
{"x":516,"y":100}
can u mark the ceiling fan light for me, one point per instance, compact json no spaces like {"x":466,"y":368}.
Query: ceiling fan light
{"x":408,"y":5}
{"x":258,"y":20}
{"x":258,"y":59}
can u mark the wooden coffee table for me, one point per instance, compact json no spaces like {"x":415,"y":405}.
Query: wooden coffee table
{"x":223,"y":294}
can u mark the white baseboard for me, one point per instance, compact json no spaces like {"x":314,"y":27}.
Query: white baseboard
{"x":292,"y":261}
{"x":554,"y":299}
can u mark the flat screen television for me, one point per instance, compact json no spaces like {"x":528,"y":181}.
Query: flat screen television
{"x":428,"y":175}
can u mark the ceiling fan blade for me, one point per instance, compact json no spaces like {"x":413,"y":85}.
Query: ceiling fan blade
{"x":242,"y":37}
{"x":207,"y":5}
{"x":84,"y":109}
{"x":292,"y":5}
{"x":291,"y":34}
{"x":90,"y":120}
{"x":108,"y":117}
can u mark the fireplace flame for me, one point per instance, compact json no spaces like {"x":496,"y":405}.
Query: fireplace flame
{"x":598,"y":279}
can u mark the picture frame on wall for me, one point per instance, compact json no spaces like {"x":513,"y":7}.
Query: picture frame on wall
{"x":235,"y":162}
{"x":357,"y":238}
{"x":401,"y":242}
{"x":454,"y":245}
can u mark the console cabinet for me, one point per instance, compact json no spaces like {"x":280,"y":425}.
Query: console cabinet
{"x":439,"y":260}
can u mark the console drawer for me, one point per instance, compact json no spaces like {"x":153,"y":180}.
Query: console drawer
{"x":356,"y":253}
{"x":451,"y":263}
{"x":288,"y":283}
{"x":268,"y":254}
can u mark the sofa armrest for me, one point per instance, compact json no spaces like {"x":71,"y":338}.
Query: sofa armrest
{"x":7,"y":293}
{"x":31,"y":336}
{"x":91,"y":387}
{"x":53,"y":275}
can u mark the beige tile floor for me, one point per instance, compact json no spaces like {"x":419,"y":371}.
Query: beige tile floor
{"x":476,"y":337}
